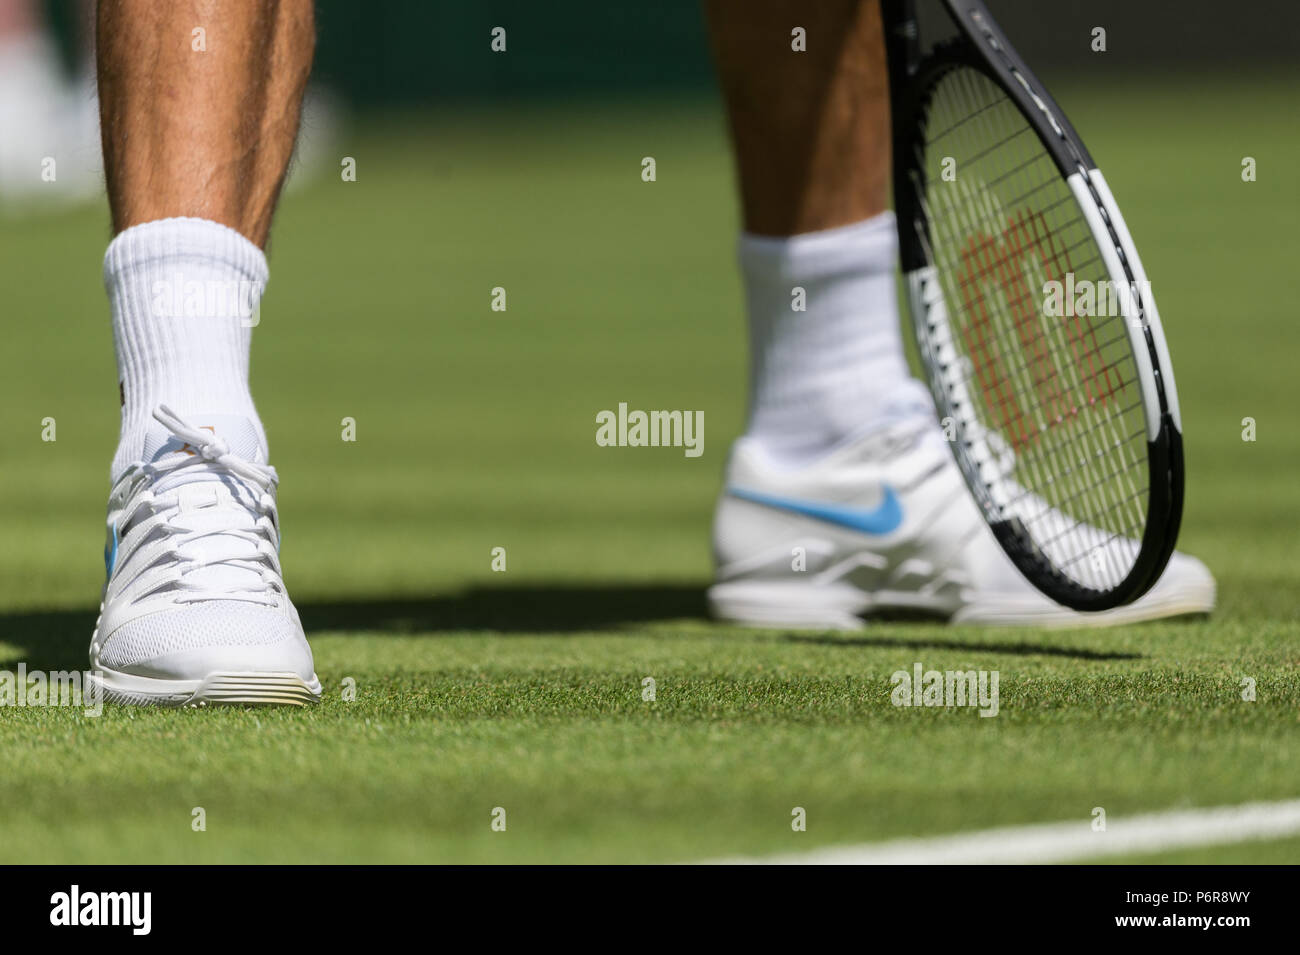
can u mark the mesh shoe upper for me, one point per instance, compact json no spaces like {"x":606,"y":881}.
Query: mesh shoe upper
{"x":194,"y":583}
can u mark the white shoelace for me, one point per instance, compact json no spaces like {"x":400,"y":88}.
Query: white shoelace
{"x":210,"y":570}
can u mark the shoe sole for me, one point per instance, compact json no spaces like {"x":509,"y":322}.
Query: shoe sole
{"x":790,"y":605}
{"x":261,"y":689}
{"x":796,"y":605}
{"x":1170,"y":602}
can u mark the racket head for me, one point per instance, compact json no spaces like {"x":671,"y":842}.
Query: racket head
{"x":1062,"y":415}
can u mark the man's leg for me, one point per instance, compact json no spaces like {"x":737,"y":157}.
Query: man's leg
{"x":810,"y":129}
{"x":199,"y":106}
{"x":842,"y":497}
{"x":811,"y":137}
{"x":198,"y":130}
{"x":205,"y":133}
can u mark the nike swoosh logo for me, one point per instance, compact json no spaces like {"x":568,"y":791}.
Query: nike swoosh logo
{"x":882,"y":519}
{"x":110,"y":555}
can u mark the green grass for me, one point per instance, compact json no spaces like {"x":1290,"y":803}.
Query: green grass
{"x":476,"y":430}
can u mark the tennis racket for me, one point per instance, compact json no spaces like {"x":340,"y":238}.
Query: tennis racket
{"x":1033,"y":316}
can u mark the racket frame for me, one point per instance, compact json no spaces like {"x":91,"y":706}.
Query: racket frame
{"x":983,"y":46}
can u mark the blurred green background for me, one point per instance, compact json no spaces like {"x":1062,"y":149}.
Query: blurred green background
{"x":425,"y":52}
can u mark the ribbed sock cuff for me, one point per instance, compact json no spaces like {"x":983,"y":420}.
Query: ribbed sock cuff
{"x":184,"y":295}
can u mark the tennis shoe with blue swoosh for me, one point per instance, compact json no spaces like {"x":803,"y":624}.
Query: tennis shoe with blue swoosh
{"x":885,"y":526}
{"x":195,"y":610}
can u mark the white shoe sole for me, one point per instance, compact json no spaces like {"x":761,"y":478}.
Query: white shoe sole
{"x":799,"y":605}
{"x":282,"y":689}
{"x":1171,"y":599}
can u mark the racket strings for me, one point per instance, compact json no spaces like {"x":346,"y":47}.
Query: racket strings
{"x":1091,"y":378}
{"x":1049,"y":405}
{"x":1113,"y":474}
{"x":984,"y":270}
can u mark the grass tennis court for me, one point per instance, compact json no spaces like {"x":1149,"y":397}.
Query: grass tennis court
{"x":475,"y":430}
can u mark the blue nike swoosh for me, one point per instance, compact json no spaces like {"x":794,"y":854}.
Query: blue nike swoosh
{"x":882,"y":519}
{"x":110,"y":556}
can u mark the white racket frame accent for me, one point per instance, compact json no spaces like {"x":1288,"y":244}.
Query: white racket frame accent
{"x":1134,"y":322}
{"x":1149,"y":302}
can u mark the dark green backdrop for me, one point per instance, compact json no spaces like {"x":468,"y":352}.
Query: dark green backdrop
{"x":379,"y":52}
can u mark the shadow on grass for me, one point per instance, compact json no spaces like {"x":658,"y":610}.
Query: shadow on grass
{"x":971,"y":643}
{"x":58,"y":639}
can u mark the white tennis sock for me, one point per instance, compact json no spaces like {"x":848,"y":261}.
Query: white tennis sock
{"x":184,"y":294}
{"x":822,"y":376}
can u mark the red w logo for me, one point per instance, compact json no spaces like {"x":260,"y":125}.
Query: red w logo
{"x":1002,"y":280}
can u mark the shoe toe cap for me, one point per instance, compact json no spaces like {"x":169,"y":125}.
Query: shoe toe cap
{"x":1186,"y":583}
{"x":192,"y":641}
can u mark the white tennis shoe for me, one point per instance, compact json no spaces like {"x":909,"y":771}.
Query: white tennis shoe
{"x":195,"y":610}
{"x":886,"y":526}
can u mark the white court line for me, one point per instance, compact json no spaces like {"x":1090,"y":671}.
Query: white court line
{"x":1063,"y":841}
